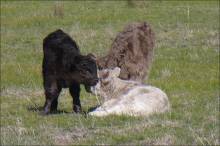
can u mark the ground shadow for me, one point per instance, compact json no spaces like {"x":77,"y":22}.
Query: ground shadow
{"x":40,"y":109}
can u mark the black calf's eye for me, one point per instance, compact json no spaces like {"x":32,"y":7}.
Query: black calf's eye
{"x":89,"y":70}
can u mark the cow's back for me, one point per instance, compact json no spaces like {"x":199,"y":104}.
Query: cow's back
{"x":59,"y":52}
{"x":60,"y":42}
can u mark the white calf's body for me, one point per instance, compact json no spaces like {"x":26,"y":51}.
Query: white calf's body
{"x":136,"y":99}
{"x":139,"y":101}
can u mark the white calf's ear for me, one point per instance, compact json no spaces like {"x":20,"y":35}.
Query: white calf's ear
{"x":116,"y":71}
{"x":104,"y":74}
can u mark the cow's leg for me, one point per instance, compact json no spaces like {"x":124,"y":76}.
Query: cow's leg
{"x":52,"y":91}
{"x":75,"y":91}
{"x":54,"y":103}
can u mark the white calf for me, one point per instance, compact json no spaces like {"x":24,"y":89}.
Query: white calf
{"x":123,"y":97}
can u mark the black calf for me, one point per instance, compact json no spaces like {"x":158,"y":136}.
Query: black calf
{"x":64,"y":67}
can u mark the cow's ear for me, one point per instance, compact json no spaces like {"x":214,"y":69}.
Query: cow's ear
{"x":105,"y":74}
{"x":92,"y":56}
{"x":116,"y":72}
{"x":106,"y":78}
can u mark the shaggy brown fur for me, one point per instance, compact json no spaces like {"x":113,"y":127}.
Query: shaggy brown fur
{"x":132,"y":51}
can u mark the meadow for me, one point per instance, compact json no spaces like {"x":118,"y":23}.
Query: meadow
{"x":186,"y":67}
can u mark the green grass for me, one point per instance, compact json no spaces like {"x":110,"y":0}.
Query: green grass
{"x":186,"y":67}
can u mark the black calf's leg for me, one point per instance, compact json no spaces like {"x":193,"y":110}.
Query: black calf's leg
{"x":52,"y":92}
{"x":54,"y":103}
{"x":75,"y":91}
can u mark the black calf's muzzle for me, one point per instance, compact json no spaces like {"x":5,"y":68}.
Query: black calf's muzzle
{"x":88,"y":88}
{"x":94,"y":82}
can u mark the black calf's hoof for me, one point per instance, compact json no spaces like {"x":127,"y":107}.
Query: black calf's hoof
{"x":46,"y":111}
{"x":53,"y":111}
{"x":77,"y":109}
{"x":43,"y":113}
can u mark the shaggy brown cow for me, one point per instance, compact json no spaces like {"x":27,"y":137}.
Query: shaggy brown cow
{"x":64,"y":67}
{"x":132,"y":51}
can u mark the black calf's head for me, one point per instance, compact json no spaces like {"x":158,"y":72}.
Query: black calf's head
{"x":87,"y":69}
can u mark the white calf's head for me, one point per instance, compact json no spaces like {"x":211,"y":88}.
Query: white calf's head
{"x":106,"y":84}
{"x":107,"y":75}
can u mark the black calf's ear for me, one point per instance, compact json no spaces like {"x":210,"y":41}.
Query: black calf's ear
{"x":92,"y":56}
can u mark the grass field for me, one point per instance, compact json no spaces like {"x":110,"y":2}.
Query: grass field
{"x":186,"y":67}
